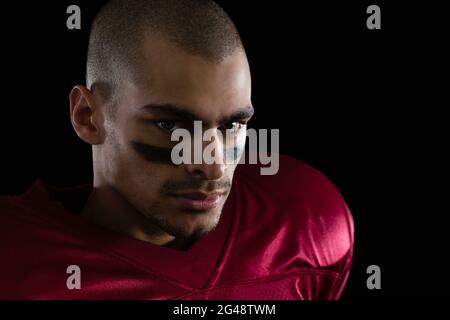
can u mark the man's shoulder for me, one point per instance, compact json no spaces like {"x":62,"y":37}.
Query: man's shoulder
{"x":294,"y":179}
{"x":303,"y":205}
{"x":15,"y":218}
{"x":18,"y":209}
{"x":9,"y":204}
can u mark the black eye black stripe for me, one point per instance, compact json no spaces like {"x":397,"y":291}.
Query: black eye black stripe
{"x":152,"y":153}
{"x":164,"y":155}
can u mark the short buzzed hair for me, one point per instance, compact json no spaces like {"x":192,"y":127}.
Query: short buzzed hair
{"x":199,"y":27}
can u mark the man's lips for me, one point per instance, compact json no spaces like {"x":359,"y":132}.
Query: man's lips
{"x":198,"y":200}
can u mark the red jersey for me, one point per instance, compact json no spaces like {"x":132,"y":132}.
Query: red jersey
{"x":286,"y":236}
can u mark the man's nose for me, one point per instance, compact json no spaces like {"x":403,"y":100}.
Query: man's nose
{"x":213,"y":169}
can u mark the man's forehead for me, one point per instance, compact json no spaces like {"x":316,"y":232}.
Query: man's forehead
{"x":165,"y":64}
{"x":158,"y":47}
{"x":176,"y":81}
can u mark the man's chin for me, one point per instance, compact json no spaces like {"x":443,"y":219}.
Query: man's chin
{"x":194,"y":225}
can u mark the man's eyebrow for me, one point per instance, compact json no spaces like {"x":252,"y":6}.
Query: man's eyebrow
{"x":172,"y":110}
{"x":169,"y":110}
{"x":242,"y":114}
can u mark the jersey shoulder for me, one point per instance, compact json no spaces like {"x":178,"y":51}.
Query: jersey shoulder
{"x":23,"y":210}
{"x":299,"y":200}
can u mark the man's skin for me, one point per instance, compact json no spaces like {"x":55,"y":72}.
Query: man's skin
{"x":130,"y":190}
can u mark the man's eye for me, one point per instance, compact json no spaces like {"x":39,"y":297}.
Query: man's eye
{"x":167,"y":125}
{"x":234,"y":126}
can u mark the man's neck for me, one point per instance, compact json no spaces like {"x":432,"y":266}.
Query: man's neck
{"x":107,"y":208}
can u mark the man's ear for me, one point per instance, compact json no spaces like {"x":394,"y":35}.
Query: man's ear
{"x":86,"y":115}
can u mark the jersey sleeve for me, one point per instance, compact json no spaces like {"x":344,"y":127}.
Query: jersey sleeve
{"x":324,"y":220}
{"x":311,"y":225}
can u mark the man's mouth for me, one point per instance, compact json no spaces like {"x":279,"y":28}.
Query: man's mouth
{"x":198,"y":201}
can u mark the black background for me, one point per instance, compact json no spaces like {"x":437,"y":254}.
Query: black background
{"x":366,"y":107}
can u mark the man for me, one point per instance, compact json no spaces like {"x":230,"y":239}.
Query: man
{"x":149,"y":229}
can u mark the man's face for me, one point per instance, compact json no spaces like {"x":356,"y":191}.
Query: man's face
{"x":176,"y":88}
